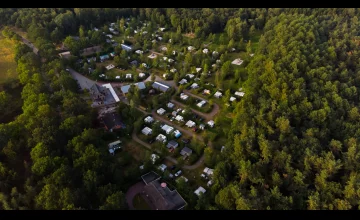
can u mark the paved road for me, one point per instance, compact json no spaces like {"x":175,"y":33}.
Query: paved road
{"x":32,"y":46}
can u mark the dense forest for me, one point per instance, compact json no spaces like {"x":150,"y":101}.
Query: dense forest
{"x":293,"y":142}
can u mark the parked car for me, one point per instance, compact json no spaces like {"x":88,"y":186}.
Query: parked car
{"x":173,"y":167}
{"x":185,"y":141}
{"x":195,"y":129}
{"x":178,"y":173}
{"x":151,"y":141}
{"x":172,"y":119}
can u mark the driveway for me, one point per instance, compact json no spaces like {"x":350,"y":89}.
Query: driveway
{"x":84,"y":82}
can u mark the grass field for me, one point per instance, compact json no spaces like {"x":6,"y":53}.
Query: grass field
{"x":255,"y":40}
{"x":7,"y":62}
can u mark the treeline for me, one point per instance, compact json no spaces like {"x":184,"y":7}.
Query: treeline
{"x":294,"y":141}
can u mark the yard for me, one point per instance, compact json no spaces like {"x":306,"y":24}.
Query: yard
{"x":139,"y":203}
{"x":136,"y":150}
{"x":7,"y":62}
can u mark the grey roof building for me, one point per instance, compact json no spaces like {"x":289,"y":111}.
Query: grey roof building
{"x":186,"y":151}
{"x":172,"y":144}
{"x":160,"y":86}
{"x":160,"y":196}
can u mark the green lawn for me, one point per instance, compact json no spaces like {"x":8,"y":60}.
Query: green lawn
{"x":255,"y":40}
{"x":139,"y":203}
{"x":7,"y":62}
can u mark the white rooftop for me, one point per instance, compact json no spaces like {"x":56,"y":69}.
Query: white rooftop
{"x":146,"y":131}
{"x":161,"y":138}
{"x":190,"y":75}
{"x":237,"y":61}
{"x":194,"y":86}
{"x":241,"y":94}
{"x":218,"y":94}
{"x":190,"y":124}
{"x":149,"y":119}
{"x":161,"y":111}
{"x":179,"y":118}
{"x":200,"y":190}
{"x":112,"y":91}
{"x":201,"y":104}
{"x":191,"y":48}
{"x":170,"y":105}
{"x":183,"y":96}
{"x":183,"y":81}
{"x":109,"y":67}
{"x":211,"y":123}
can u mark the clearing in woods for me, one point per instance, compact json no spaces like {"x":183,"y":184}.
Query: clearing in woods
{"x":7,"y":62}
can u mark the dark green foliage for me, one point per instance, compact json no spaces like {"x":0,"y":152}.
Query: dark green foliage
{"x":296,"y":127}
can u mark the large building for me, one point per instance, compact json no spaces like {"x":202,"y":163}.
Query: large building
{"x":160,"y":86}
{"x":112,"y":91}
{"x":103,"y":95}
{"x":125,"y":89}
{"x":160,"y":196}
